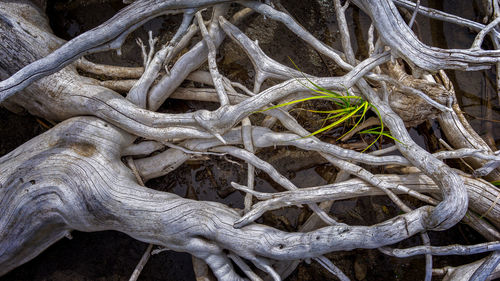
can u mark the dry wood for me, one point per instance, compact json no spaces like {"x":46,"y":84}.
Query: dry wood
{"x":72,"y":177}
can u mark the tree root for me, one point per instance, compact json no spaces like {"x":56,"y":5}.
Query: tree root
{"x":72,"y":177}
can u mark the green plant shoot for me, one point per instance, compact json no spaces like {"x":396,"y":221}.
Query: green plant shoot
{"x":350,"y":109}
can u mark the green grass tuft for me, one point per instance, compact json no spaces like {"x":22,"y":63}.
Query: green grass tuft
{"x":348,"y":107}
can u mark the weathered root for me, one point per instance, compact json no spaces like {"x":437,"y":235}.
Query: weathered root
{"x":405,"y":44}
{"x":107,"y":36}
{"x":72,"y":177}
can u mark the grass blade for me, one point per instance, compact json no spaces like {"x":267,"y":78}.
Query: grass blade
{"x":335,"y":123}
{"x":365,"y":108}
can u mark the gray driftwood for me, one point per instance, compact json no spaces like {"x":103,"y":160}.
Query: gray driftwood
{"x":72,"y":177}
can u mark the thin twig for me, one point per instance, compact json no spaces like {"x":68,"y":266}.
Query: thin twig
{"x":414,"y":16}
{"x":246,"y":134}
{"x":478,"y":41}
{"x":141,"y":264}
{"x":212,"y":63}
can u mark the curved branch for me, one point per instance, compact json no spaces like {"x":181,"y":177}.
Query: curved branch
{"x":404,"y":43}
{"x":107,"y":36}
{"x":73,"y":178}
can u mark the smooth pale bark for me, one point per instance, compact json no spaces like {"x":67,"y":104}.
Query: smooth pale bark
{"x":72,"y":177}
{"x":405,"y":44}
